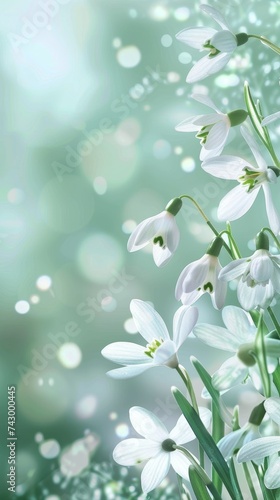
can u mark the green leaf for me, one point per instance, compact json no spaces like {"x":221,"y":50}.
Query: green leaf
{"x":253,"y":113}
{"x":261,"y":357}
{"x":198,"y":485}
{"x":205,"y":439}
{"x":234,"y":480}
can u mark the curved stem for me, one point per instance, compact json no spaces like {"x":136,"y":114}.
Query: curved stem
{"x":274,"y":320}
{"x":273,"y":236}
{"x":267,"y":42}
{"x":205,"y":478}
{"x":208,"y":222}
{"x":249,"y":481}
{"x":234,"y":248}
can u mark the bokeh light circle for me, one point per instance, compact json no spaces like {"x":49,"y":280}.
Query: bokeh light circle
{"x":69,"y":355}
{"x":49,"y":449}
{"x":44,"y":283}
{"x":129,"y":56}
{"x":22,"y":307}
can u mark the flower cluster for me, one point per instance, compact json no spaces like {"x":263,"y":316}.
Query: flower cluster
{"x":251,"y":333}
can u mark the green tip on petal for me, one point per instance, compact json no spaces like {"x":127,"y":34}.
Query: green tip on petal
{"x":174,"y":206}
{"x":241,"y":38}
{"x":215,"y":247}
{"x":237,"y":117}
{"x":262,"y":241}
{"x":257,"y":415}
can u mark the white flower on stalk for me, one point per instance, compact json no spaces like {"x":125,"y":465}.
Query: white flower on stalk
{"x":239,"y":338}
{"x":251,"y":179}
{"x":160,"y":349}
{"x":157,"y":446}
{"x":219,"y":44}
{"x":201,"y":276}
{"x":212,"y":129}
{"x":270,"y":118}
{"x":234,"y":440}
{"x":266,"y":447}
{"x":162,"y":230}
{"x":259,"y":275}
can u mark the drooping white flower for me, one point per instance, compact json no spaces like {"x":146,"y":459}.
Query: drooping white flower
{"x":212,"y":129}
{"x":219,"y":44}
{"x":259,"y":276}
{"x":251,"y":179}
{"x":239,"y":338}
{"x":266,"y":447}
{"x":160,"y":350}
{"x":270,"y":118}
{"x":157,"y":446}
{"x":162,"y":230}
{"x":234,"y":440}
{"x":201,"y":276}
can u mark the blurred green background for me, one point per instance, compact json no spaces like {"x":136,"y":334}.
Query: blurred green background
{"x":91,"y":94}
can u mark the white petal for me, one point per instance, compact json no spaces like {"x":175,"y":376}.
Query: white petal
{"x":183,"y":322}
{"x":129,"y":371}
{"x":272,"y":475}
{"x":272,"y":214}
{"x":125,"y":353}
{"x":224,"y":40}
{"x":261,"y":268}
{"x":147,"y":424}
{"x":259,"y":448}
{"x":207,"y":66}
{"x":272,"y":407}
{"x":206,"y":154}
{"x":215,"y":14}
{"x":182,"y":432}
{"x":216,"y":336}
{"x":253,"y":146}
{"x":166,"y":354}
{"x":205,"y":99}
{"x":190,"y":298}
{"x":133,"y":451}
{"x":236,"y":203}
{"x":155,"y":471}
{"x":251,"y":297}
{"x":143,"y":233}
{"x":192,"y":276}
{"x":148,"y":322}
{"x":234,"y":269}
{"x":231,"y":373}
{"x":180,"y":464}
{"x":228,"y":444}
{"x":239,"y":323}
{"x":219,"y":295}
{"x":217,"y":135}
{"x":270,"y":118}
{"x":208,"y":119}
{"x":225,"y":166}
{"x":187,"y":125}
{"x":161,"y":255}
{"x":195,"y":37}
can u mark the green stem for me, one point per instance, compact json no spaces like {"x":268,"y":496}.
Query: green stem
{"x":187,"y":381}
{"x":267,"y":42}
{"x":249,"y":481}
{"x":206,"y":220}
{"x":261,"y":358}
{"x":233,"y":245}
{"x":205,"y":478}
{"x":274,"y":320}
{"x":267,"y":494}
{"x":234,"y":480}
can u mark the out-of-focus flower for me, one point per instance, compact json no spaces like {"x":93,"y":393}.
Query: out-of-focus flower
{"x":160,"y":350}
{"x":157,"y":446}
{"x":270,"y":118}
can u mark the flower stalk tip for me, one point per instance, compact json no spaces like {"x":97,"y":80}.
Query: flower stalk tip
{"x":173,"y":206}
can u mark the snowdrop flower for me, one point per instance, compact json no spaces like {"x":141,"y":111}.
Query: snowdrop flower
{"x":212,"y":129}
{"x":259,"y":275}
{"x":270,"y":118}
{"x":233,"y":441}
{"x":157,"y":446}
{"x":251,"y":179}
{"x":265,"y":447}
{"x":219,"y":44}
{"x":239,"y":338}
{"x":201,"y":276}
{"x":162,"y":230}
{"x":160,"y":349}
